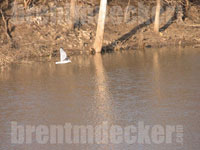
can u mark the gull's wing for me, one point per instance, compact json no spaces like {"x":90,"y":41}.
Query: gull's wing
{"x":63,"y":54}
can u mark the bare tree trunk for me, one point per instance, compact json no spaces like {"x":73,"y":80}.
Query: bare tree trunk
{"x":100,"y":27}
{"x":157,"y":17}
{"x":186,"y":8}
{"x":126,"y":11}
{"x":72,"y":13}
{"x":27,"y":3}
{"x":187,"y":4}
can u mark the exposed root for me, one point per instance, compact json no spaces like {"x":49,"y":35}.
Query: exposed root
{"x":27,"y":3}
{"x":6,"y":28}
{"x":193,"y":25}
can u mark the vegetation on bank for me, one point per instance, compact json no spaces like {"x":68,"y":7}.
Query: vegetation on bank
{"x":37,"y":28}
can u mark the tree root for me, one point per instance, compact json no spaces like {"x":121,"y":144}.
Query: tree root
{"x":6,"y":28}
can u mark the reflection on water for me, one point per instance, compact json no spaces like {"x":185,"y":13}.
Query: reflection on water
{"x":156,"y":69}
{"x":154,"y":86}
{"x":102,"y":95}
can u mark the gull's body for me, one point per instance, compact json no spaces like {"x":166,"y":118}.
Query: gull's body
{"x":63,"y":57}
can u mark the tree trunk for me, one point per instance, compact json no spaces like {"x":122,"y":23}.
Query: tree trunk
{"x":100,"y":27}
{"x":126,"y":11}
{"x":186,"y":8}
{"x":157,"y":17}
{"x":187,"y":4}
{"x":72,"y":13}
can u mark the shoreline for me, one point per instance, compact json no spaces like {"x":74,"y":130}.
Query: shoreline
{"x":71,"y":53}
{"x":44,"y":41}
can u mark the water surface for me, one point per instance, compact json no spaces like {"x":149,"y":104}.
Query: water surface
{"x":157,"y":87}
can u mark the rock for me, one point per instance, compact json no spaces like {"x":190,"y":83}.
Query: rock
{"x":148,"y":46}
{"x":85,"y":44}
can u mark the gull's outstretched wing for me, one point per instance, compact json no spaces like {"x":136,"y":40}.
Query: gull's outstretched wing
{"x":63,"y":54}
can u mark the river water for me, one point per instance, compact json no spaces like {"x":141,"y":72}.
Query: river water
{"x":131,"y":88}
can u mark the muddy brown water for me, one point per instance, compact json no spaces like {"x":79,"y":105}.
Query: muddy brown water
{"x":156,"y":87}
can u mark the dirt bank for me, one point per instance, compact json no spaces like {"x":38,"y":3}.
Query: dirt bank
{"x":31,"y":37}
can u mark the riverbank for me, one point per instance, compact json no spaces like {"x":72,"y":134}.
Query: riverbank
{"x":31,"y":38}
